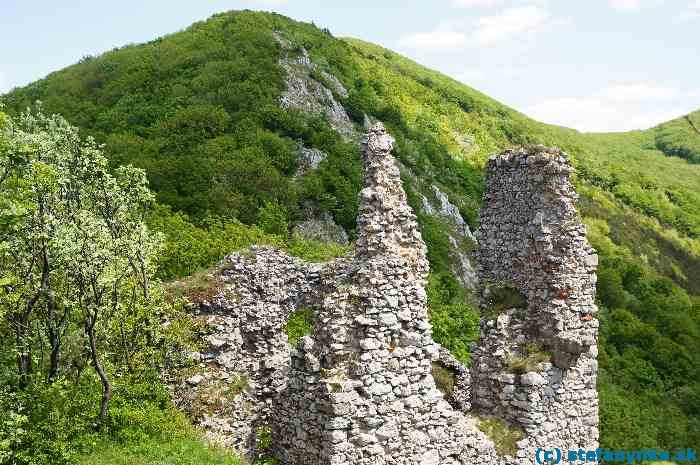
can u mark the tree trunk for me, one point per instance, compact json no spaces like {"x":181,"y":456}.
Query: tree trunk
{"x":97,"y":365}
{"x":55,"y":343}
{"x":20,"y":322}
{"x":24,"y":359}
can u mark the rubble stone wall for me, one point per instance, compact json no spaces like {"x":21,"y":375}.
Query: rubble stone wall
{"x":535,"y":364}
{"x":359,"y":389}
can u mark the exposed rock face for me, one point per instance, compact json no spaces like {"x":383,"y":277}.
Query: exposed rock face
{"x":322,"y":228}
{"x":532,"y":243}
{"x":458,"y":233}
{"x":310,"y":95}
{"x":359,"y":390}
{"x":308,"y":159}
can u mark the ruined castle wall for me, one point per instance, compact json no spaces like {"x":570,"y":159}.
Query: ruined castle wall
{"x":535,"y":364}
{"x":257,"y":290}
{"x":361,"y":389}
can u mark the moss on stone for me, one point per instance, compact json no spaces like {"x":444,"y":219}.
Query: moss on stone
{"x":444,"y":378}
{"x":504,"y":436}
{"x":502,"y":298}
{"x":532,"y":354}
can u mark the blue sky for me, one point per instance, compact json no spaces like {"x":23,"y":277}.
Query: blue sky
{"x":594,"y":65}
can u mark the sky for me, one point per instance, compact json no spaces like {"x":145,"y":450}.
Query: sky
{"x":593,"y":65}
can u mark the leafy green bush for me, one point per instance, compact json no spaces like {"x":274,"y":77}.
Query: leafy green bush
{"x":299,"y":324}
{"x":681,"y":137}
{"x":455,"y":323}
{"x":272,"y":218}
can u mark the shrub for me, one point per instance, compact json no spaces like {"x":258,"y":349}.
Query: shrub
{"x":300,"y":324}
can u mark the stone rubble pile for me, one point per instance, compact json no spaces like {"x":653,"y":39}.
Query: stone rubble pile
{"x":358,"y":390}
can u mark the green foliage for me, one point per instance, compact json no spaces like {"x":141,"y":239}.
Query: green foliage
{"x":198,"y":111}
{"x":504,"y":436}
{"x":314,"y":251}
{"x":263,"y":441}
{"x":299,"y":324}
{"x":444,"y":378}
{"x":56,"y":423}
{"x":681,"y":137}
{"x":191,"y":248}
{"x":182,"y":451}
{"x":455,"y":322}
{"x":273,"y":219}
{"x":649,"y":333}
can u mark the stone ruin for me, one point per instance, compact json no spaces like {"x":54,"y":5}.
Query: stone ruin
{"x":535,"y":364}
{"x":359,"y":390}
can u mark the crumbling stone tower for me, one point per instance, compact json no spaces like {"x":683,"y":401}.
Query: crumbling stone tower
{"x":535,"y":365}
{"x":360,"y":389}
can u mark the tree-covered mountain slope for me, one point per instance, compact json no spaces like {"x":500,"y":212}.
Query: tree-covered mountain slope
{"x":254,"y":118}
{"x":680,"y":137}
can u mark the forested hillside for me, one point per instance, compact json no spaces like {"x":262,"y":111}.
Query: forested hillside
{"x":199,"y":111}
{"x":681,"y":137}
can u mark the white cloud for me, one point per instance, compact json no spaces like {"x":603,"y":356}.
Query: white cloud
{"x":513,"y":21}
{"x":487,"y":30}
{"x":618,"y":107}
{"x":638,"y":91}
{"x":691,"y":13}
{"x":475,"y":3}
{"x":625,"y":4}
{"x":599,"y":115}
{"x":444,"y":38}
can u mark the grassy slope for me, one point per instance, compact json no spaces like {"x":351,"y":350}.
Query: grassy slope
{"x":198,"y":110}
{"x":188,"y":451}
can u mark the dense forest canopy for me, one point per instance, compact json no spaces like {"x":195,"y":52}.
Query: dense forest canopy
{"x":199,"y":112}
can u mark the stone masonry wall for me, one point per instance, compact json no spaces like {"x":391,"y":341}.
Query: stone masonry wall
{"x":359,"y":390}
{"x":535,"y":365}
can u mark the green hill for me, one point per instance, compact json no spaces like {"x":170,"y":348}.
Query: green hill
{"x":681,"y":137}
{"x":199,"y":110}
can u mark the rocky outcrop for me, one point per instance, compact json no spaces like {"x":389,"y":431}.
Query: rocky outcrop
{"x":308,"y":160}
{"x":359,"y":388}
{"x":311,"y":89}
{"x":462,"y":241}
{"x":323,"y":228}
